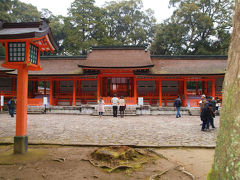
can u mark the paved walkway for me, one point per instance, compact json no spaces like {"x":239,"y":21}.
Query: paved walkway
{"x":92,"y":130}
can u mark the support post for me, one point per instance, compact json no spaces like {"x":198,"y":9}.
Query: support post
{"x":185,"y":92}
{"x":213,"y":88}
{"x":51,"y":93}
{"x":135,"y":89}
{"x":160,"y":92}
{"x":98,"y":88}
{"x":74,"y":93}
{"x":21,"y":139}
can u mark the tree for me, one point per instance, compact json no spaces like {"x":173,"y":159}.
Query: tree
{"x":57,"y":28}
{"x":16,"y":11}
{"x":22,"y":12}
{"x":227,"y":152}
{"x":5,"y":8}
{"x":202,"y":27}
{"x":128,"y":24}
{"x":83,"y":27}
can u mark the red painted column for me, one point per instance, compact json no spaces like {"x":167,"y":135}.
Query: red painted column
{"x":213,"y":88}
{"x":135,"y":89}
{"x":74,"y":93}
{"x":160,"y":92}
{"x":22,"y":98}
{"x":185,"y":93}
{"x":98,"y":88}
{"x":51,"y":93}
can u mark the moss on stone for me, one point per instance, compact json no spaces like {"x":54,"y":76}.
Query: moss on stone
{"x":8,"y":157}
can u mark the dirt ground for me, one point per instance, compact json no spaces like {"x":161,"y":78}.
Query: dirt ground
{"x":68,"y":162}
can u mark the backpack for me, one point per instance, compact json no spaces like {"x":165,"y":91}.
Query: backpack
{"x":178,"y":103}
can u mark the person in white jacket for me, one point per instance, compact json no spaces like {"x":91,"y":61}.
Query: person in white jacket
{"x":115,"y":102}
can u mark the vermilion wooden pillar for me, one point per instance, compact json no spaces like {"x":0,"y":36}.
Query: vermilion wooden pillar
{"x":21,"y":139}
{"x":160,"y":92}
{"x":51,"y":93}
{"x":98,"y":88}
{"x":185,"y":93}
{"x":22,"y":93}
{"x":74,"y":93}
{"x":213,"y":88}
{"x":135,"y":89}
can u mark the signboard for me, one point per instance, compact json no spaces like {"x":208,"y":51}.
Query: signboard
{"x":2,"y":100}
{"x":140,"y":101}
{"x":45,"y":101}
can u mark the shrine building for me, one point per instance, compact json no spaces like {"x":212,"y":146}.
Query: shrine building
{"x":129,"y":71}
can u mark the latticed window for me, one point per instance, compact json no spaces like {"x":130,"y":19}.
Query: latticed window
{"x":33,"y":54}
{"x":16,"y":51}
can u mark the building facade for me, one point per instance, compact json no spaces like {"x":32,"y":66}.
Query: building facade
{"x":128,"y":71}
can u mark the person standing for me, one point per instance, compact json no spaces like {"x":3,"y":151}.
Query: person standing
{"x":115,"y":102}
{"x":101,"y":109}
{"x":211,"y":118}
{"x":122,"y":106}
{"x":178,"y":104}
{"x":207,"y":116}
{"x":12,"y":107}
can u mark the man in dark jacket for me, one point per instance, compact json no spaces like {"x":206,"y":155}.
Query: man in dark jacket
{"x":178,"y":104}
{"x":12,"y":107}
{"x":206,"y":116}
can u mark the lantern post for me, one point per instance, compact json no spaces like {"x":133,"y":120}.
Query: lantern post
{"x":23,"y":43}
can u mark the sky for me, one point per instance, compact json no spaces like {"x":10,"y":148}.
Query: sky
{"x":59,"y":7}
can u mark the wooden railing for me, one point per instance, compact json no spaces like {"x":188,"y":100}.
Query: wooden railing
{"x":35,"y":101}
{"x":128,"y":100}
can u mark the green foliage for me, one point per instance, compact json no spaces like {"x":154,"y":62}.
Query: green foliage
{"x":5,"y":8}
{"x":82,"y":27}
{"x":196,"y":27}
{"x":22,"y":12}
{"x":128,"y":24}
{"x":57,"y":28}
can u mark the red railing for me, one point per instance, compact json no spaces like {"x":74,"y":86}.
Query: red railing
{"x":128,"y":100}
{"x":35,"y":102}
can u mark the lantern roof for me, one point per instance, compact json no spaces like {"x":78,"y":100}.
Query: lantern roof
{"x":38,"y":32}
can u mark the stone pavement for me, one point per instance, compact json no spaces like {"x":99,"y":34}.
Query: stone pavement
{"x":163,"y":130}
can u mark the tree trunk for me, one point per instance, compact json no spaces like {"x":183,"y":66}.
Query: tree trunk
{"x":227,"y":153}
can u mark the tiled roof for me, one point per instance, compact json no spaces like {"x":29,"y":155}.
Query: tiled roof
{"x":117,"y":58}
{"x":57,"y":66}
{"x":194,"y":65}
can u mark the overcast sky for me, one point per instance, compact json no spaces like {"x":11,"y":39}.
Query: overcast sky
{"x":59,"y":7}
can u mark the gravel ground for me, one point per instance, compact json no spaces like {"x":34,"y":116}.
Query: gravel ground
{"x":157,"y":131}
